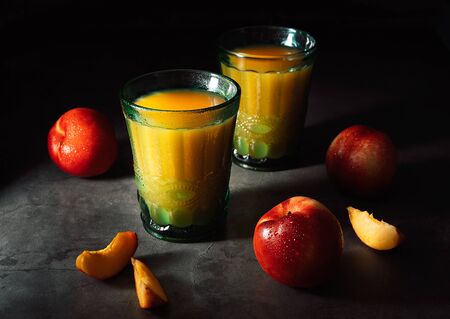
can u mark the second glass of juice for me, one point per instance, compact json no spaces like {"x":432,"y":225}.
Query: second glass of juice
{"x":180,"y":124}
{"x":273,"y":66}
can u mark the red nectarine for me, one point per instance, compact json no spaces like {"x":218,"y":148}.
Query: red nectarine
{"x":299,"y":242}
{"x":361,"y":160}
{"x":82,"y":142}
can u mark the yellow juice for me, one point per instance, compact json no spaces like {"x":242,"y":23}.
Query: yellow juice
{"x":274,"y":88}
{"x":182,"y":168}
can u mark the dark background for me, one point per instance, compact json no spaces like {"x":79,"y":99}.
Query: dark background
{"x":60,"y":54}
{"x":384,"y":64}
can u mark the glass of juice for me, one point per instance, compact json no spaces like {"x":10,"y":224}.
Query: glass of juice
{"x":273,"y":67}
{"x":180,"y":124}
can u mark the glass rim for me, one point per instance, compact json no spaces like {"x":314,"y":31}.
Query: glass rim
{"x":287,"y":56}
{"x":222,"y":105}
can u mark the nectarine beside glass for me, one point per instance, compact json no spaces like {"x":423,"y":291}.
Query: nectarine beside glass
{"x":299,"y":242}
{"x":82,"y":142}
{"x":361,"y":161}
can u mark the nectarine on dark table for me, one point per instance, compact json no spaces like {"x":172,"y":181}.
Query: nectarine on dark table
{"x":82,"y":142}
{"x":299,"y":242}
{"x":361,"y":160}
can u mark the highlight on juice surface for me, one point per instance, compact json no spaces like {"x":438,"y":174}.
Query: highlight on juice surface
{"x":180,"y":124}
{"x":273,"y":66}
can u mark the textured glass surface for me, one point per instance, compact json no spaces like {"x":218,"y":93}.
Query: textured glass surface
{"x":275,"y":88}
{"x":182,"y":158}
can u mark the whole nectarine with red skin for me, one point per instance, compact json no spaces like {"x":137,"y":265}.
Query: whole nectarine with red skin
{"x":361,"y":161}
{"x":299,"y":242}
{"x":82,"y":142}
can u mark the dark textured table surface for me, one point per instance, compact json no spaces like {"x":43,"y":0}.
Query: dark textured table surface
{"x":394,"y":76}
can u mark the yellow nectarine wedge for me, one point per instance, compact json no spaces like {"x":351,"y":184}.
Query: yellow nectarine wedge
{"x":373,"y":232}
{"x":108,"y":262}
{"x":148,"y":289}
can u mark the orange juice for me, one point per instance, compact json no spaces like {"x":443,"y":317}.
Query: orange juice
{"x":274,"y":84}
{"x":182,"y":166}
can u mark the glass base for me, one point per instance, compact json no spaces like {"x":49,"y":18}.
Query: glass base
{"x":265,"y":164}
{"x":192,"y":233}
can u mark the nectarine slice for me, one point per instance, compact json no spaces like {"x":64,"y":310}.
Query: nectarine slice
{"x":373,"y":232}
{"x":108,"y":262}
{"x":148,"y":289}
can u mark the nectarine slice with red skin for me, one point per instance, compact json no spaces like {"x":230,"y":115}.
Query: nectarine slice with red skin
{"x":374,"y":233}
{"x":109,"y":261}
{"x":148,"y":289}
